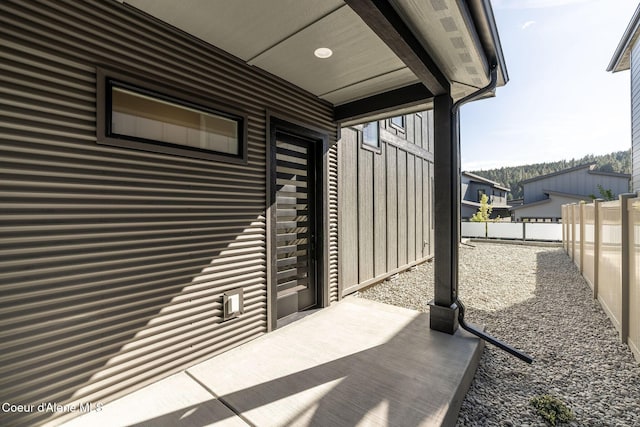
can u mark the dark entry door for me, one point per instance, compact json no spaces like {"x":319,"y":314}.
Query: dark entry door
{"x":296,"y":229}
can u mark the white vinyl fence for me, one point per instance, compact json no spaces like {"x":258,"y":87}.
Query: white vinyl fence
{"x":541,"y":231}
{"x":474,"y":229}
{"x":603,"y":239}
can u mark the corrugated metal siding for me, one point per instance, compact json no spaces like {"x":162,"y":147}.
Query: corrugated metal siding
{"x":114,"y":261}
{"x":333,"y":224}
{"x":635,"y":115}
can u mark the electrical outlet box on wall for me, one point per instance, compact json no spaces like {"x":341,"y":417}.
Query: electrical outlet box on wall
{"x":233,"y":303}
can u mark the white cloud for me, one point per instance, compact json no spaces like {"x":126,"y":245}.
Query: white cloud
{"x":527,"y":24}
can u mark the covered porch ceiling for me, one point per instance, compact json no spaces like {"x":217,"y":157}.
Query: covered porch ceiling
{"x":388,"y":57}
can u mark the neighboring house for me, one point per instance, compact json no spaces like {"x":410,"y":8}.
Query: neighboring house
{"x":543,"y":196}
{"x":472,"y":189}
{"x":627,"y":56}
{"x":516,"y":202}
{"x":177,"y":178}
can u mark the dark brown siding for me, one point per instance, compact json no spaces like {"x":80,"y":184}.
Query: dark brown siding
{"x":384,"y":202}
{"x":114,"y":261}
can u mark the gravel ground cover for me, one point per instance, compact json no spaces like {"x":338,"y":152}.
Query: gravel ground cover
{"x":534,"y":299}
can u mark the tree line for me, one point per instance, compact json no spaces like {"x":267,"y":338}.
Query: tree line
{"x":619,"y":161}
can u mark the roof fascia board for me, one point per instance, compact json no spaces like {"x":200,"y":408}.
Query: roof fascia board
{"x":479,"y":178}
{"x":380,"y":16}
{"x":570,"y":195}
{"x":477,"y":205}
{"x":528,"y":205}
{"x":491,"y":184}
{"x":611,"y":174}
{"x":573,"y":169}
{"x":549,"y":199}
{"x":626,"y":43}
{"x":386,"y":102}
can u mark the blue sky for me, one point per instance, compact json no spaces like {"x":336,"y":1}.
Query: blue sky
{"x":560,"y":102}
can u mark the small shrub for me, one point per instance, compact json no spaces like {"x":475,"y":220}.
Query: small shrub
{"x":484,"y":211}
{"x":552,"y":409}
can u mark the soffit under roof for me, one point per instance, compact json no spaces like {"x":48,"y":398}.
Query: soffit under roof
{"x":447,"y":32}
{"x":621,"y":59}
{"x":280,"y":37}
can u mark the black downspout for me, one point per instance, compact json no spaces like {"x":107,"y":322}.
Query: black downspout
{"x":481,"y":334}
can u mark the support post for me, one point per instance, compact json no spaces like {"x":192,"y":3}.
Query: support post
{"x":624,"y":210}
{"x":443,"y":310}
{"x":581,"y":216}
{"x":596,"y":246}
{"x":563,"y":219}
{"x":573,"y":231}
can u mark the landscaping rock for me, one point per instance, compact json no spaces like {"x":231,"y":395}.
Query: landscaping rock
{"x":535,"y":299}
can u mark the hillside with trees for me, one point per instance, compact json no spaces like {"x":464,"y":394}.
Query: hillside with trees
{"x":619,"y":161}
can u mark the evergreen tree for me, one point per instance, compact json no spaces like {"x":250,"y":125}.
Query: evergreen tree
{"x":511,"y":177}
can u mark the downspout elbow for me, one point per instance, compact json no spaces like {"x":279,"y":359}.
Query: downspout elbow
{"x":493,"y":82}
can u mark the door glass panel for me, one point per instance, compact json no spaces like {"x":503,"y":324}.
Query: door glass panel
{"x":295,"y":228}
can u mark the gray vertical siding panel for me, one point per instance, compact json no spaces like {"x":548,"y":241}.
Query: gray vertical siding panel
{"x":389,"y":207}
{"x":427,"y":202}
{"x":428,"y":131}
{"x":365,"y":215}
{"x":403,"y":214}
{"x":411,"y":208}
{"x":380,"y":213}
{"x":431,"y":212}
{"x":419,"y":132}
{"x":348,"y":214}
{"x":392,"y":207}
{"x":419,"y":209}
{"x":114,"y":261}
{"x":409,"y":128}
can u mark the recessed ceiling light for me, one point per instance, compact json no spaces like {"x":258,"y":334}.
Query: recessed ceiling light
{"x":323,"y":52}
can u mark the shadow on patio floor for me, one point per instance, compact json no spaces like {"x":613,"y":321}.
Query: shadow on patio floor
{"x":355,"y":363}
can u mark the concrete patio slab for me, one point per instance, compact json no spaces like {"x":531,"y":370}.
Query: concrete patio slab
{"x":175,"y":401}
{"x":356,"y":363}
